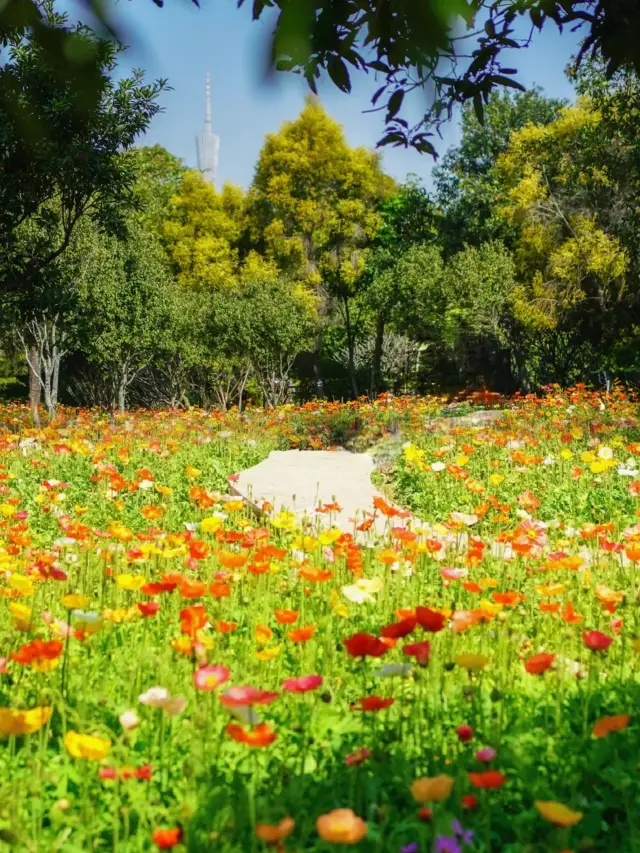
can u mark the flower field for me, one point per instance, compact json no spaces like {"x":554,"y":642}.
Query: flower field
{"x":177,"y":672}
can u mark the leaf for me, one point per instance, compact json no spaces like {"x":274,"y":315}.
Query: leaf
{"x":377,"y":95}
{"x":395,"y":102}
{"x":478,"y":107}
{"x":339,"y":75}
{"x":393,"y":138}
{"x":507,"y":81}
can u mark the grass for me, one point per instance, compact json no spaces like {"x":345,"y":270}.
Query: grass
{"x":121,"y":549}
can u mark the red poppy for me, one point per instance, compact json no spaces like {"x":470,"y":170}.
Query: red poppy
{"x":365,"y":645}
{"x":148,"y":608}
{"x":596,"y":640}
{"x":240,"y":696}
{"x":198,"y":549}
{"x":469,"y":802}
{"x":158,"y":587}
{"x":259,"y":736}
{"x":192,"y":619}
{"x":430,"y":620}
{"x":487,"y":779}
{"x":396,"y":630}
{"x":38,"y":651}
{"x":166,"y":838}
{"x":420,"y":651}
{"x":372,"y":703}
{"x":465,"y":733}
{"x":537,"y":664}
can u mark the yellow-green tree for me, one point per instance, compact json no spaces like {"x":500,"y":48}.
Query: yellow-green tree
{"x":567,"y":261}
{"x":312,"y":208}
{"x":201,"y":233}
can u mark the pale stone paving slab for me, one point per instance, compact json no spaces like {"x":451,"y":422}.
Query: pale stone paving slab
{"x":302,"y":480}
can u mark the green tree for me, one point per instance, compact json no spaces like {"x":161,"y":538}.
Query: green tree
{"x":258,"y":329}
{"x":158,"y":175}
{"x":467,"y":187}
{"x":399,"y":264}
{"x":124,"y":309}
{"x":477,"y":321}
{"x":71,"y":166}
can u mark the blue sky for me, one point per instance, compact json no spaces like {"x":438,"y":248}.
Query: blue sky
{"x":181,"y":42}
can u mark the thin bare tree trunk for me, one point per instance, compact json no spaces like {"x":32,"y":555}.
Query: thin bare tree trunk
{"x":35,"y":389}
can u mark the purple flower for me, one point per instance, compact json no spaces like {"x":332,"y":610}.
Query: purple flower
{"x":410,"y":848}
{"x":447,"y":844}
{"x":465,"y":835}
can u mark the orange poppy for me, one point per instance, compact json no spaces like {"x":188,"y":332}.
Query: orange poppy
{"x":311,"y":573}
{"x":275,"y":833}
{"x":487,"y":779}
{"x":341,"y":826}
{"x":508,"y":599}
{"x":549,"y":607}
{"x":220,"y":590}
{"x":286,"y":617}
{"x":223,"y":627}
{"x":192,"y":589}
{"x":231,"y":560}
{"x":258,"y":736}
{"x":301,"y":635}
{"x":607,"y":725}
{"x":569,"y":615}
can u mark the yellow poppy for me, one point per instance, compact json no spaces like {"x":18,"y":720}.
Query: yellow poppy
{"x":210,"y":524}
{"x":28,"y":722}
{"x":86,"y":746}
{"x":74,"y":601}
{"x":269,"y":653}
{"x":558,"y":813}
{"x":131,"y":582}
{"x":471,"y":661}
{"x":434,"y":789}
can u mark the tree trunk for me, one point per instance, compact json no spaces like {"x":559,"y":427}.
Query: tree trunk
{"x":35,"y":389}
{"x":122,"y":393}
{"x":376,"y":367}
{"x":351,"y":350}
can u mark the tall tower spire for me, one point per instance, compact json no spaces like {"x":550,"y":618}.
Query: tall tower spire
{"x":207,"y":142}
{"x":207,"y":114}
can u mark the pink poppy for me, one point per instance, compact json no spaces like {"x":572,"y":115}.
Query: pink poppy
{"x":3,"y":666}
{"x":302,"y":684}
{"x":209,"y":677}
{"x":486,"y":754}
{"x":359,"y":756}
{"x":239,"y":696}
{"x":451,"y":574}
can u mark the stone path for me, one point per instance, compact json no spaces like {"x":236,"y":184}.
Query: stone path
{"x":302,"y":480}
